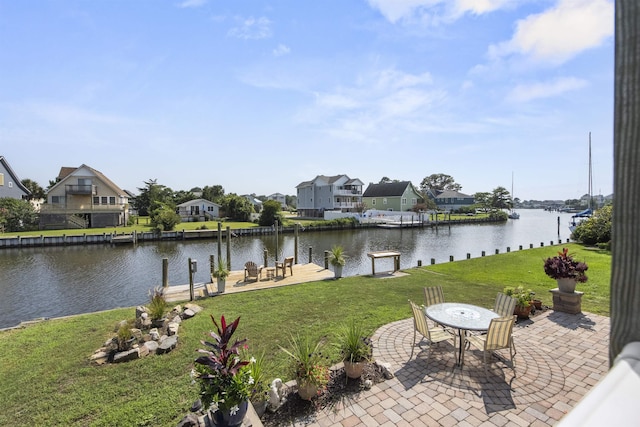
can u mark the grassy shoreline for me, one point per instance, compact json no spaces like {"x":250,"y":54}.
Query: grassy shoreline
{"x":47,"y":378}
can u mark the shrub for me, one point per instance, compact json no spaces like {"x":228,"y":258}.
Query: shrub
{"x":158,"y":304}
{"x":596,"y":229}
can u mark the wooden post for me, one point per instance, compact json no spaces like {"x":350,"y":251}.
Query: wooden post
{"x":326,"y":260}
{"x":212,"y":266}
{"x":228,"y":248}
{"x":483,"y":253}
{"x":266,"y":258}
{"x":219,"y":240}
{"x":165,"y":272}
{"x":468,"y":255}
{"x":433,"y":261}
{"x":310,"y":254}
{"x":295,"y":243}
{"x":276,"y":229}
{"x":190,"y":281}
{"x":451,"y":258}
{"x":497,"y":251}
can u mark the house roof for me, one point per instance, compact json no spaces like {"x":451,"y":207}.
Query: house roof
{"x":197,"y":202}
{"x":446,"y":194}
{"x":329,"y":180}
{"x":389,"y":189}
{"x":66,"y":171}
{"x":16,"y":180}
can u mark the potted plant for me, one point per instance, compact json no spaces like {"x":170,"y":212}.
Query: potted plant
{"x":566,"y":270}
{"x":337,"y":259}
{"x":523,"y":298}
{"x":157,"y":307}
{"x":260,"y":387}
{"x":309,"y":366}
{"x":224,"y":377}
{"x":355,"y":346}
{"x":221,"y":273}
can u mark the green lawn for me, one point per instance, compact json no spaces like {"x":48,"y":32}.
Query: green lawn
{"x":47,"y":379}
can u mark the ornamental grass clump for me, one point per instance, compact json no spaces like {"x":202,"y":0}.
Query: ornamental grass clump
{"x":354,"y":343}
{"x":225,"y":379}
{"x":309,"y":365}
{"x":563,"y":266}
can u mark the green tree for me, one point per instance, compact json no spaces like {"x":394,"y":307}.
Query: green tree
{"x":213,"y":193}
{"x":237,"y":208}
{"x":483,"y":200}
{"x":596,"y":229}
{"x":182,"y":196}
{"x":37,"y":192}
{"x":150,"y":194}
{"x":439,"y":182}
{"x":163,"y":216}
{"x":500,"y":198}
{"x":270,"y":213}
{"x":17,"y":215}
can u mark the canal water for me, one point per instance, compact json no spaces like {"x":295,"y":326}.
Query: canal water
{"x":60,"y":281}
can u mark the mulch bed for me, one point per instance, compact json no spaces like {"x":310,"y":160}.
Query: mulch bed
{"x":340,"y":392}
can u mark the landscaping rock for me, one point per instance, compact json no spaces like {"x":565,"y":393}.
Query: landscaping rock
{"x":126,"y":356}
{"x":100,"y":357}
{"x":153,"y":333}
{"x":167,"y":345}
{"x":188,"y":314}
{"x":152,"y":346}
{"x":172,"y":328}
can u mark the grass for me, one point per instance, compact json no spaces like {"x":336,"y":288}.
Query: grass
{"x":47,"y":378}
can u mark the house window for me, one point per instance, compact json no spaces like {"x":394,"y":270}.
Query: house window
{"x":96,"y":200}
{"x":10,"y":184}
{"x":57,"y":199}
{"x":112,"y":200}
{"x":104,"y":200}
{"x":373,"y":202}
{"x":384,"y":201}
{"x":414,"y":201}
{"x":404,"y":201}
{"x":1,"y":179}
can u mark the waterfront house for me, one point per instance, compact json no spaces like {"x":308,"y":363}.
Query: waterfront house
{"x":198,"y":210}
{"x":10,"y":185}
{"x":280,"y":198}
{"x":391,"y":196}
{"x":329,"y":193}
{"x":83,"y":197}
{"x":451,"y":200}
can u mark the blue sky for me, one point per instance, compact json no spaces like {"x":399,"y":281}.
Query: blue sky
{"x":258,"y":96}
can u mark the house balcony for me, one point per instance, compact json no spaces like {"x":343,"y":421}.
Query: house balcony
{"x":348,"y":192}
{"x":80,"y":208}
{"x":81,"y":189}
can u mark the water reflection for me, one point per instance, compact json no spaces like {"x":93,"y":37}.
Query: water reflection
{"x":50,"y":282}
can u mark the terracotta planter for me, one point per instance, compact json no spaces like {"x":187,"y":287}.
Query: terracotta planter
{"x":537,"y":304}
{"x":567,"y":285}
{"x":307,"y":391}
{"x":354,"y":369}
{"x":522,"y":312}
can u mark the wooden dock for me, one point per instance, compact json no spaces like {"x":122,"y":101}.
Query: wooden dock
{"x":302,"y":273}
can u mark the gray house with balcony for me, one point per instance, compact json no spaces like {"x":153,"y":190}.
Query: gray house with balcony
{"x":10,"y":185}
{"x":84,"y":198}
{"x":329,"y":193}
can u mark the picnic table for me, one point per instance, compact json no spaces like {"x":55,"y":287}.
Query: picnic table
{"x":384,"y":254}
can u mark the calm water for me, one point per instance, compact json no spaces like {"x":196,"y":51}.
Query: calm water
{"x":51,"y":282}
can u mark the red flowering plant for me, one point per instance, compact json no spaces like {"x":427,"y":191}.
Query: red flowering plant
{"x":564,"y":266}
{"x":225,"y":379}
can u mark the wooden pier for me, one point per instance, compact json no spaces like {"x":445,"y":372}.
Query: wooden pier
{"x":235,"y":282}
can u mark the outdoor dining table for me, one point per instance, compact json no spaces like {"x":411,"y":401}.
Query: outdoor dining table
{"x":463,"y":317}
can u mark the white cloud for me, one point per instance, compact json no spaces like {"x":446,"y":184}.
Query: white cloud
{"x":430,"y":11}
{"x":560,"y":33}
{"x":281,"y":50}
{"x":191,"y":3}
{"x":252,"y":28}
{"x":523,"y":93}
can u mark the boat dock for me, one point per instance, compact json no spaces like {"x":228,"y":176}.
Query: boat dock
{"x":235,"y":282}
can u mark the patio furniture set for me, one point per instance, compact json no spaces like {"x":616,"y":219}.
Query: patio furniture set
{"x":464,"y":325}
{"x":253,"y":271}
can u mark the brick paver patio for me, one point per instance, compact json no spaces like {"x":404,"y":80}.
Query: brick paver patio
{"x":559,"y":358}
